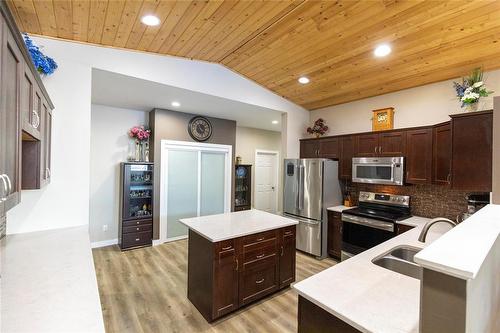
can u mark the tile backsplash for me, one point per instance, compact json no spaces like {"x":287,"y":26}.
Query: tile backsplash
{"x":426,"y":200}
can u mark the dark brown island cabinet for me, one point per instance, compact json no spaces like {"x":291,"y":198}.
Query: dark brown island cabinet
{"x":25,"y":120}
{"x":334,"y":239}
{"x":226,"y":275}
{"x":457,"y":152}
{"x":136,"y":202}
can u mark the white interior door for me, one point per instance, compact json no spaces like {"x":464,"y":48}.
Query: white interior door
{"x":195,"y":180}
{"x":266,"y":181}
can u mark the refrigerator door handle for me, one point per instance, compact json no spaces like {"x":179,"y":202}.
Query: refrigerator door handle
{"x":301,"y":188}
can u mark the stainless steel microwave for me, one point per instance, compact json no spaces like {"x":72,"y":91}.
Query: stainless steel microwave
{"x":378,"y":170}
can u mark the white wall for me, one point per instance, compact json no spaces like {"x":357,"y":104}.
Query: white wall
{"x":425,"y":105}
{"x":250,"y":139}
{"x":109,"y":146}
{"x":64,"y":202}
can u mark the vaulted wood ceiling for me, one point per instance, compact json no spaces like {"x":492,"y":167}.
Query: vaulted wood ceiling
{"x":275,"y":42}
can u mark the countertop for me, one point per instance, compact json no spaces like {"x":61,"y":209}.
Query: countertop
{"x":366,"y":296}
{"x":48,"y":283}
{"x":339,"y":209}
{"x":462,"y":251}
{"x":220,"y":227}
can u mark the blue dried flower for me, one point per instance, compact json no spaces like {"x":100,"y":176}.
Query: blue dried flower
{"x":44,"y":64}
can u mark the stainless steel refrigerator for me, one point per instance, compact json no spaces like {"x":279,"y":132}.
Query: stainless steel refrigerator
{"x":311,"y":185}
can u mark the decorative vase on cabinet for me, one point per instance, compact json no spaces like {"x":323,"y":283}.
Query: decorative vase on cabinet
{"x":243,"y":187}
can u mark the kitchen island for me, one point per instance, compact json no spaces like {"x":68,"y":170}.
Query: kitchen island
{"x":237,"y":258}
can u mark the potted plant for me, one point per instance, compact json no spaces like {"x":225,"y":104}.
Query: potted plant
{"x":471,"y":90}
{"x":318,"y":129}
{"x":141,"y":136}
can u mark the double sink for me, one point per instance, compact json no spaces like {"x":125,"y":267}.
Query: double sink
{"x":400,"y":260}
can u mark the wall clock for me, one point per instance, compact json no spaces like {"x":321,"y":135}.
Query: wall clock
{"x":200,"y":128}
{"x":383,"y":119}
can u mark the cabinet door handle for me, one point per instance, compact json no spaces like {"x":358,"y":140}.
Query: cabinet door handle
{"x":282,"y":251}
{"x":260,"y":256}
{"x":259,"y":281}
{"x":4,"y":197}
{"x":237,"y":264}
{"x":9,"y":183}
{"x":448,"y":178}
{"x":227,"y":248}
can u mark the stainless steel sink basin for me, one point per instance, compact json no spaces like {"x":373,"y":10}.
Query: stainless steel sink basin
{"x":404,"y":252}
{"x":400,"y":260}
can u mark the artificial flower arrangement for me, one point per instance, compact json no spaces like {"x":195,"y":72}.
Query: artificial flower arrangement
{"x":43,"y":64}
{"x":139,"y":133}
{"x":471,"y":89}
{"x":319,"y":128}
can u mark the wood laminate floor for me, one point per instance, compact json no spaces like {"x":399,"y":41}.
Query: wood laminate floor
{"x":145,"y":290}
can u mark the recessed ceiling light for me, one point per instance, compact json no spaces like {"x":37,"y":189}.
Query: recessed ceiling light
{"x":150,"y":20}
{"x":274,"y":122}
{"x":304,"y":80}
{"x":176,"y":104}
{"x":382,"y":50}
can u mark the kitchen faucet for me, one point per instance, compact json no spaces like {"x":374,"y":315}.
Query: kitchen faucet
{"x":428,"y":225}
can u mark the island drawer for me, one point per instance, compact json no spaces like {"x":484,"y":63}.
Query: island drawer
{"x":261,"y":236}
{"x":138,"y":228}
{"x":259,"y":250}
{"x":223,"y":246}
{"x":136,"y":222}
{"x":258,"y":281}
{"x":289,"y":231}
{"x":136,"y":239}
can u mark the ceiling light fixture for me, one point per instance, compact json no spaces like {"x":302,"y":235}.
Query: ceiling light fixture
{"x":150,"y":20}
{"x":176,"y":104}
{"x":382,"y":50}
{"x":304,"y":80}
{"x":274,"y":122}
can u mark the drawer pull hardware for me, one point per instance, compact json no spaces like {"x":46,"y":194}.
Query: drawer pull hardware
{"x":288,"y":232}
{"x":260,"y":239}
{"x":137,"y":239}
{"x":260,"y":256}
{"x":259,"y":281}
{"x":137,"y":229}
{"x":227,"y":248}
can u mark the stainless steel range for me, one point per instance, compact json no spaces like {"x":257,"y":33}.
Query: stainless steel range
{"x":372,"y":222}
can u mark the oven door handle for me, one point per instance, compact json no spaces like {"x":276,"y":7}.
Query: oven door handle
{"x":371,"y":223}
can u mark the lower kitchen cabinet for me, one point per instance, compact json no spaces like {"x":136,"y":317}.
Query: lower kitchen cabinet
{"x":472,"y":151}
{"x":419,"y":156}
{"x":226,"y":275}
{"x":400,"y":228}
{"x":334,"y":240}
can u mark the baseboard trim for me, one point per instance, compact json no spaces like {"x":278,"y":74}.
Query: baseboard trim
{"x":109,"y":242}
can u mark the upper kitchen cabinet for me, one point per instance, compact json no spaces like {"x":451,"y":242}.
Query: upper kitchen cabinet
{"x":367,"y":145}
{"x":24,"y":136}
{"x":441,"y":164}
{"x":392,"y":143}
{"x":347,"y":148}
{"x":471,"y":165}
{"x":329,"y":148}
{"x":309,"y":148}
{"x":12,"y":67}
{"x":419,"y":156}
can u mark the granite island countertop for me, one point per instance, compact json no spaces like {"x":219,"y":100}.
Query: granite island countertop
{"x":225,"y":226}
{"x":369,"y":297}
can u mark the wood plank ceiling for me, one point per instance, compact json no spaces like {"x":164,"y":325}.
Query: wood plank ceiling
{"x":275,"y":42}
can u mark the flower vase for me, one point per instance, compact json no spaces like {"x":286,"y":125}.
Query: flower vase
{"x":472,"y":107}
{"x":317,"y":135}
{"x":145,"y":151}
{"x":138,"y":151}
